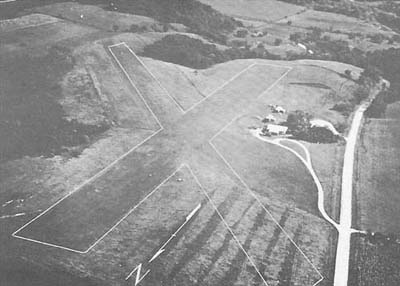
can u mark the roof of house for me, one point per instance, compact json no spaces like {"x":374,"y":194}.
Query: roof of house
{"x":274,"y":128}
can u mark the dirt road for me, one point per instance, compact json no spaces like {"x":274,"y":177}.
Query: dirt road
{"x":307,"y":162}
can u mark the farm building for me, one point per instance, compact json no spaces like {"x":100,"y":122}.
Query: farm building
{"x":275,"y":129}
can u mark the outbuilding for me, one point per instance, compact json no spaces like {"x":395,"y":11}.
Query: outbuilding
{"x":269,"y":118}
{"x":278,"y":109}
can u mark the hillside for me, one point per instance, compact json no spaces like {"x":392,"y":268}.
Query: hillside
{"x":200,"y":18}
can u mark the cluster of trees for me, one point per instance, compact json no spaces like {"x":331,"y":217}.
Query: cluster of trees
{"x":387,"y":64}
{"x":376,"y":64}
{"x":156,"y":27}
{"x":183,"y":50}
{"x":346,"y":107}
{"x":194,"y":53}
{"x":200,"y":18}
{"x":32,"y":121}
{"x":298,"y":123}
{"x":386,"y":13}
{"x":389,"y":19}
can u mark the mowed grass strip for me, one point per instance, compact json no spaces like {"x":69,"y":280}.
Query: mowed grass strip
{"x":159,"y":101}
{"x":79,"y":220}
{"x":154,"y":222}
{"x":176,"y":82}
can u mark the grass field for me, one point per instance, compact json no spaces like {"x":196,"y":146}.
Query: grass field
{"x":124,"y":105}
{"x":25,"y":22}
{"x":270,"y":171}
{"x":327,"y":160}
{"x":377,"y":165}
{"x":174,"y":79}
{"x":33,"y":39}
{"x":205,"y":252}
{"x":255,"y":9}
{"x":377,"y":180}
{"x":332,"y":21}
{"x":374,"y":264}
{"x":303,"y":272}
{"x":295,"y":147}
{"x":99,"y":18}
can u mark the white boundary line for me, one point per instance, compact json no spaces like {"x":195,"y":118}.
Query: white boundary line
{"x":97,"y":175}
{"x":103,"y":171}
{"x":274,"y":84}
{"x":226,"y":224}
{"x":220,"y":87}
{"x":134,"y":86}
{"x":158,"y":82}
{"x":214,"y":91}
{"x":152,"y":75}
{"x":198,"y":207}
{"x":251,"y":192}
{"x":111,"y":229}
